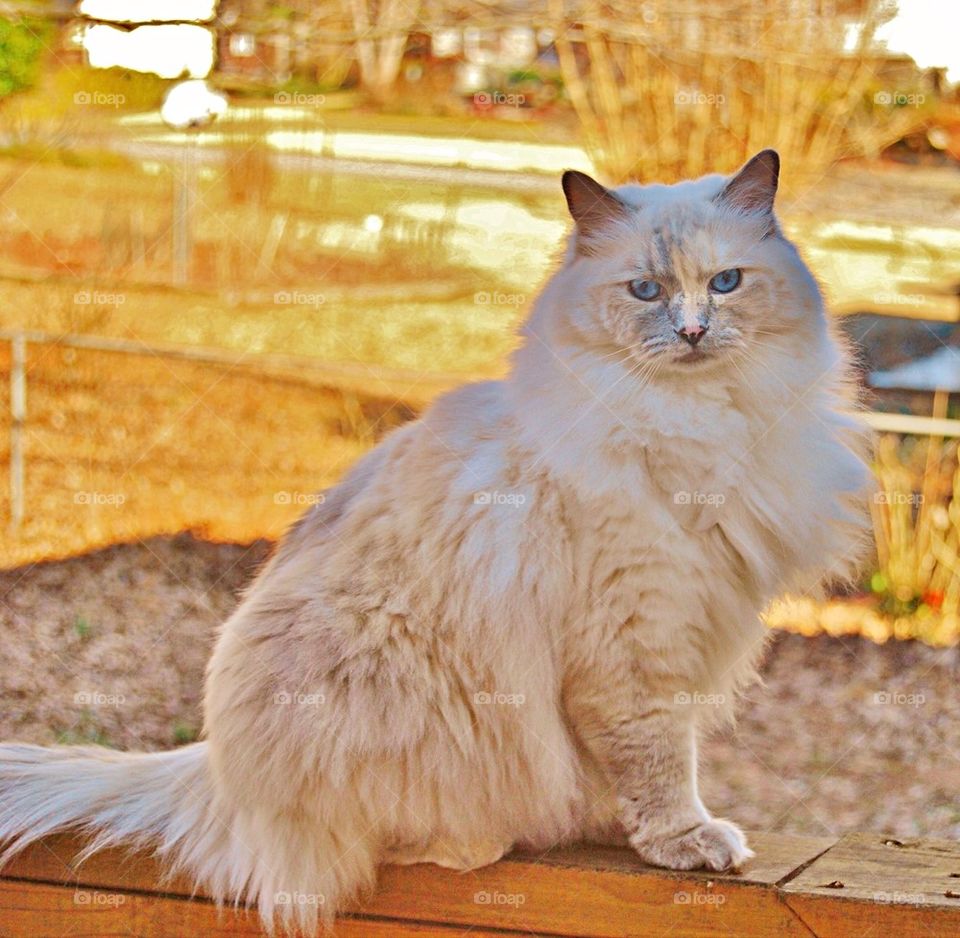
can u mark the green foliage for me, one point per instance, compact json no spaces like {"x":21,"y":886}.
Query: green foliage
{"x":84,"y":732}
{"x":109,"y":89}
{"x":22,"y":41}
{"x":519,"y":75}
{"x":183,"y":733}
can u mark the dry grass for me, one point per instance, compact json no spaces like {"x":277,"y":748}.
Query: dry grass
{"x":120,"y":448}
{"x":916,"y":516}
{"x":917,"y":532}
{"x":913,"y":588}
{"x":695,"y":87}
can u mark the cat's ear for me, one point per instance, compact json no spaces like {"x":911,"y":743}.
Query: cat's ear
{"x":592,"y":206}
{"x":753,"y":189}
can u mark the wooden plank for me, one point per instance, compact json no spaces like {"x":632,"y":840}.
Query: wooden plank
{"x":797,"y":886}
{"x":600,"y":892}
{"x":912,"y":424}
{"x":53,"y":860}
{"x":778,"y":855}
{"x":867,"y":884}
{"x":43,"y":910}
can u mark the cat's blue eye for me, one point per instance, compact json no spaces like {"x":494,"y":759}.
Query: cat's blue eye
{"x":645,"y":290}
{"x":726,"y":281}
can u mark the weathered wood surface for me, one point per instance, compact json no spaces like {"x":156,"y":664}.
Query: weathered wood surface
{"x":42,"y":910}
{"x":868,"y":884}
{"x":789,"y":889}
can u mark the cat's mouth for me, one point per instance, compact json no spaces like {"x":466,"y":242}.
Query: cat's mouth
{"x":694,"y":355}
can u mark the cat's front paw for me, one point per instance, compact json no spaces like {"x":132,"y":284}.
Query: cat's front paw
{"x":714,"y":845}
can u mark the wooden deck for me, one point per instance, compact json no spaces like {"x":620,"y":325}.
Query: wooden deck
{"x":862,"y":885}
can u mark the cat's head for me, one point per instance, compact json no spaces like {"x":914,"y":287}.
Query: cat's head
{"x":687,"y":278}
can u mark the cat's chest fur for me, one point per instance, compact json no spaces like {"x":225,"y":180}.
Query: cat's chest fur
{"x":684,"y":512}
{"x":688,"y":509}
{"x":669,"y":560}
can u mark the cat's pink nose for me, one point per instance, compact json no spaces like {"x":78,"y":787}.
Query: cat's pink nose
{"x":692,"y":334}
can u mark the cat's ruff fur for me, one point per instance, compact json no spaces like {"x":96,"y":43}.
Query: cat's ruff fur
{"x":506,"y":624}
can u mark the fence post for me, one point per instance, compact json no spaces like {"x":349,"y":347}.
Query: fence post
{"x":18,"y":415}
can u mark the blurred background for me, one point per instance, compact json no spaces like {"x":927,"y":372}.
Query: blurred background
{"x":242,"y":240}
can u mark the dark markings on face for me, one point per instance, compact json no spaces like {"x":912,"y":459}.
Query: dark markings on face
{"x":661,"y":252}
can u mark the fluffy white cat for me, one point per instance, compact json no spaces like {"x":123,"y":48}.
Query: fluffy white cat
{"x":508,"y":623}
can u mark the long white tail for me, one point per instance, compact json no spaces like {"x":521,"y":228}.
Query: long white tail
{"x":295,"y":871}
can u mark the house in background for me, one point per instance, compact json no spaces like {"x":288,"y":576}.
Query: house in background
{"x":171,"y":38}
{"x":253,"y":48}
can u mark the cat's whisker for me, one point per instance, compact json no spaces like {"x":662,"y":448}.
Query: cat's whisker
{"x":743,"y":377}
{"x":629,"y":350}
{"x":646,"y":374}
{"x":641,"y":373}
{"x":622,"y":350}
